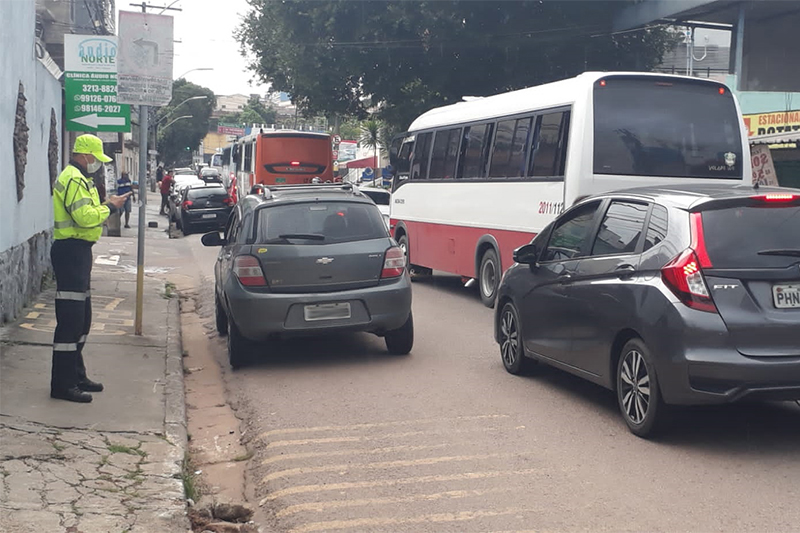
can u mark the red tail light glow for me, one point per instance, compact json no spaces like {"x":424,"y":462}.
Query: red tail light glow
{"x":684,"y":274}
{"x":777,"y":197}
{"x":248,"y":271}
{"x":394,"y":263}
{"x":722,"y":90}
{"x":187,"y":204}
{"x":295,"y":163}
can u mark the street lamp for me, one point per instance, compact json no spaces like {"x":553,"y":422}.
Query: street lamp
{"x":177,"y":119}
{"x":193,"y":70}
{"x":201,"y":97}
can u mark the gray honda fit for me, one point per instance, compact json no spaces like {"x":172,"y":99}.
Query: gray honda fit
{"x":686,"y":295}
{"x":306,"y":260}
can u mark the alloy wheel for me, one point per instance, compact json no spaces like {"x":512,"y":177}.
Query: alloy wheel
{"x":635,"y":386}
{"x":509,"y":337}
{"x":488,"y":278}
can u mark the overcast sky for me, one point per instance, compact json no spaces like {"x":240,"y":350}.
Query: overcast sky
{"x":206,"y":28}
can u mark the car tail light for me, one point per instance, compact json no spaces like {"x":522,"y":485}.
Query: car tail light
{"x":228,"y":201}
{"x":777,"y":197}
{"x":248,"y":271}
{"x":394,"y":263}
{"x":187,"y":204}
{"x":684,"y":274}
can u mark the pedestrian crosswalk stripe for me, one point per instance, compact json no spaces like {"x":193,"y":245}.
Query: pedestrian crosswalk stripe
{"x":368,"y":438}
{"x":338,"y":504}
{"x":363,"y":523}
{"x":437,"y":478}
{"x":385,"y":464}
{"x":288,"y":431}
{"x":350,"y":451}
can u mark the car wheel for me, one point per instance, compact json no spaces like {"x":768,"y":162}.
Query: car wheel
{"x":638,"y":393}
{"x":221,"y":317}
{"x":511,"y":350}
{"x":416,"y":272}
{"x":489,"y":277}
{"x":240,"y":350}
{"x":401,"y":340}
{"x":186,"y":228}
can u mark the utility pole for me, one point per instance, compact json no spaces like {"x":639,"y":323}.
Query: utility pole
{"x":144,"y":120}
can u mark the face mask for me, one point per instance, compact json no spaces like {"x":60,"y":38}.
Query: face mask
{"x":93,"y":167}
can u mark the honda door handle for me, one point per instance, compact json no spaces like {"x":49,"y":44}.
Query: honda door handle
{"x":566,"y":277}
{"x":625,"y":271}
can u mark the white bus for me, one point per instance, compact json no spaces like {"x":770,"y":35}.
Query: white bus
{"x":477,"y":179}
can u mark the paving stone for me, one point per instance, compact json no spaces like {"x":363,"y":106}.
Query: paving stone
{"x":23,"y":521}
{"x":121,"y":440}
{"x":27,"y":446}
{"x":14,"y":466}
{"x":101,"y":484}
{"x":78,"y":453}
{"x":162,"y":449}
{"x":161,"y":469}
{"x":59,"y":492}
{"x":114,"y":471}
{"x":23,"y":488}
{"x":97,"y":503}
{"x":103,"y":523}
{"x":125,"y":461}
{"x":64,"y":472}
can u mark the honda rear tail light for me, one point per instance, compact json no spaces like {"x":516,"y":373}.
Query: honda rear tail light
{"x":248,"y":271}
{"x":684,"y":274}
{"x":187,"y":204}
{"x":394,"y":263}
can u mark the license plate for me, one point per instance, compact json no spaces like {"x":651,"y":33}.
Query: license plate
{"x":326,"y":311}
{"x":209,"y":216}
{"x":786,"y":296}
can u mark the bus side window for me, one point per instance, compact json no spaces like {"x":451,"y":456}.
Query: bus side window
{"x":422,"y":152}
{"x":548,"y":153}
{"x":248,"y":156}
{"x":445,"y":149}
{"x":478,"y":142}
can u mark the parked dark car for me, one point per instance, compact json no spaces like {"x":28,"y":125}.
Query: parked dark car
{"x":686,"y":295}
{"x":307,"y":260}
{"x":204,"y":206}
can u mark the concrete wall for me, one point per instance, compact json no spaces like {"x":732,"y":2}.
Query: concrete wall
{"x":26,"y":225}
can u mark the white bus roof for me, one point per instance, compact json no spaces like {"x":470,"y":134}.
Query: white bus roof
{"x":548,"y":95}
{"x":283,"y":132}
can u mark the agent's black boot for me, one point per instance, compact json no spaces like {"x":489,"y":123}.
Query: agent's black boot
{"x":63,"y":379}
{"x":84,"y":383}
{"x":73,"y":394}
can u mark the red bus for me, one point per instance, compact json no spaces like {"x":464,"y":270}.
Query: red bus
{"x":282,"y":157}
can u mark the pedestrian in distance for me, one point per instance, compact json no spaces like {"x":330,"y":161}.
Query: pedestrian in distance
{"x":159,"y":174}
{"x":166,"y":185}
{"x":78,"y":223}
{"x":125,"y":186}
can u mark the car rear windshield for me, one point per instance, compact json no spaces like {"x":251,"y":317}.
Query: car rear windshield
{"x":319,"y":223}
{"x":662,"y":127}
{"x":379,"y":197}
{"x":739,"y":237}
{"x":206,"y":192}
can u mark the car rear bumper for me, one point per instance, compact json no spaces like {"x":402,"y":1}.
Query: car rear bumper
{"x":700,"y":365}
{"x":210,"y":217}
{"x":377,"y":309}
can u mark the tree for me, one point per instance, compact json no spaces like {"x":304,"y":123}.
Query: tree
{"x":371,"y":136}
{"x":412,"y":56}
{"x":173,"y":140}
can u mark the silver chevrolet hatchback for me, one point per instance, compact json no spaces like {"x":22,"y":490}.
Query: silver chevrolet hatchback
{"x":309,"y":260}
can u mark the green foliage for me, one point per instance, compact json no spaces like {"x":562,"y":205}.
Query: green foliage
{"x":412,"y":56}
{"x":254,"y":112}
{"x":173,"y":140}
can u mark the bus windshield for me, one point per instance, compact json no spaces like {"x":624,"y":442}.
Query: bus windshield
{"x":656,"y":126}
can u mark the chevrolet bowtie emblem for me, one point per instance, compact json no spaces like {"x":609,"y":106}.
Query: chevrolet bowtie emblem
{"x":325,"y":260}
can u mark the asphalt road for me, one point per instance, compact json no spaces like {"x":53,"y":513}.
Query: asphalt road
{"x":348,"y":438}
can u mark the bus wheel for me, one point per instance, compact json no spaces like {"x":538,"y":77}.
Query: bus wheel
{"x":416,"y":272}
{"x":489,"y":277}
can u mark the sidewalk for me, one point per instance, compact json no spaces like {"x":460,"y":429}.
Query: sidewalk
{"x":114,"y":465}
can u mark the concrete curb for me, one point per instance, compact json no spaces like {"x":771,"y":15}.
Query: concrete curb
{"x":174,"y":396}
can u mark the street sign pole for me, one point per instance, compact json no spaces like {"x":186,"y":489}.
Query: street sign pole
{"x":143,"y":130}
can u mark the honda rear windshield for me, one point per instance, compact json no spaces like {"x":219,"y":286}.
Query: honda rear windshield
{"x":655,"y":126}
{"x":319,"y":223}
{"x":210,"y":192}
{"x":753,"y":237}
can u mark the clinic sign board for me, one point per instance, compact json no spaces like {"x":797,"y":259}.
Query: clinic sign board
{"x":144,"y":59}
{"x":90,"y":85}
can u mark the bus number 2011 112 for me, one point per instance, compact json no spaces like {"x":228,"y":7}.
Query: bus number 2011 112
{"x":551,"y":208}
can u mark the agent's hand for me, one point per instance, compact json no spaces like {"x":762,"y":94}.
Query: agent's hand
{"x":118,"y":201}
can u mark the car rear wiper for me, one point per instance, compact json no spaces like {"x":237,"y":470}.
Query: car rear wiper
{"x":787,"y":252}
{"x":308,"y":236}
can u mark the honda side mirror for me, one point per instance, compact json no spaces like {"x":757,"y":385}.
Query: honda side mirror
{"x":527,"y":255}
{"x":212,"y":239}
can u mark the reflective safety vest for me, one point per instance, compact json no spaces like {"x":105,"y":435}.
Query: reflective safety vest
{"x":77,"y":211}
